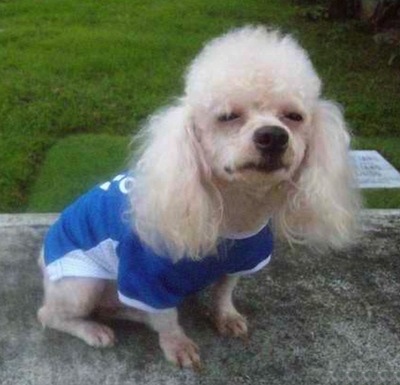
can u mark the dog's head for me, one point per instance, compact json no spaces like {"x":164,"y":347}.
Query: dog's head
{"x":252,"y":95}
{"x":251,"y":114}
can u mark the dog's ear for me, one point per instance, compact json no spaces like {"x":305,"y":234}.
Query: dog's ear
{"x":174,"y":203}
{"x":322,"y":209}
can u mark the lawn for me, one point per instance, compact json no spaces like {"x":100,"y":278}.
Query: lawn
{"x":79,"y":77}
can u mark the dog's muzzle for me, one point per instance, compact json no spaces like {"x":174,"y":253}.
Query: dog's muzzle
{"x":271,"y":142}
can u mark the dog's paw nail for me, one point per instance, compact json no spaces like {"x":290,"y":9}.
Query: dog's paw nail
{"x":181,"y":351}
{"x":99,"y":335}
{"x":245,"y":339}
{"x":232,"y":325}
{"x":197,"y":367}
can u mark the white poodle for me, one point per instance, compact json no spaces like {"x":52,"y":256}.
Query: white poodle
{"x":250,"y":147}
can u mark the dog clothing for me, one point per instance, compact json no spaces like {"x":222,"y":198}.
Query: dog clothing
{"x":94,"y":237}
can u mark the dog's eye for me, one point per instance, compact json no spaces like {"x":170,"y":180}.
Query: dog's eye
{"x":294,"y":117}
{"x":228,"y":117}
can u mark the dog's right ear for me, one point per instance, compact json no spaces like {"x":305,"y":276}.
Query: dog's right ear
{"x":174,"y":203}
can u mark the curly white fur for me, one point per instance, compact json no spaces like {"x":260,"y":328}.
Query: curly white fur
{"x":322,"y":208}
{"x":192,"y":182}
{"x":178,"y":209}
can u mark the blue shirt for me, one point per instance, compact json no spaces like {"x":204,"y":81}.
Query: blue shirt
{"x":94,"y":238}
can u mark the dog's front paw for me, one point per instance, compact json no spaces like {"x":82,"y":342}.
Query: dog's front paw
{"x":180,"y":350}
{"x":231,"y":325}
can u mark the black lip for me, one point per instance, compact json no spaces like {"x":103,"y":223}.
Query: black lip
{"x":258,"y":167}
{"x":263,"y":167}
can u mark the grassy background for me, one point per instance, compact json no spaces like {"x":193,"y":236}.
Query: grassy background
{"x":73,"y":165}
{"x":70,"y":68}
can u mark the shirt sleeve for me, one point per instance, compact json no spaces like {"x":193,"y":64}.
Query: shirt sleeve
{"x":253,"y":269}
{"x":250,"y":255}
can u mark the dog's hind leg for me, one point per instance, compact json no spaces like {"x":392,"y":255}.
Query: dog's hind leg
{"x":67,"y":304}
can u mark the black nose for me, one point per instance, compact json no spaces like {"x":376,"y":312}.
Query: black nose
{"x":271,"y":139}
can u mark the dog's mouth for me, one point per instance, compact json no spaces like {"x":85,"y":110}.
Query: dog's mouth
{"x":263,"y":167}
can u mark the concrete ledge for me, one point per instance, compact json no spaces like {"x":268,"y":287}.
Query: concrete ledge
{"x":46,"y":219}
{"x":17,"y":220}
{"x":315,"y":319}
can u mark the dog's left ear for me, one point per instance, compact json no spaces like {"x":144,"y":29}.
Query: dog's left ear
{"x":323,"y":209}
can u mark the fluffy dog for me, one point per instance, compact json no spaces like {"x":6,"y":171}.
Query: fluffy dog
{"x":249,"y":147}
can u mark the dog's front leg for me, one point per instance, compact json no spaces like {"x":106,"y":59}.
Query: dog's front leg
{"x":177,"y":347}
{"x":228,"y":320}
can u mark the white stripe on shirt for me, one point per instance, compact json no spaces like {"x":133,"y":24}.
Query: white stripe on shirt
{"x":262,"y":264}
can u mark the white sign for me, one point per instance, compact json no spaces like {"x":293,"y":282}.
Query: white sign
{"x":374,"y":171}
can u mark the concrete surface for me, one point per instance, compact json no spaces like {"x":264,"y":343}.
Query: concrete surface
{"x":315,"y":319}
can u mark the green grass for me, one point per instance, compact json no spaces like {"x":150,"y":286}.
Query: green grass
{"x":73,"y":166}
{"x":70,"y":67}
{"x":355,"y":72}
